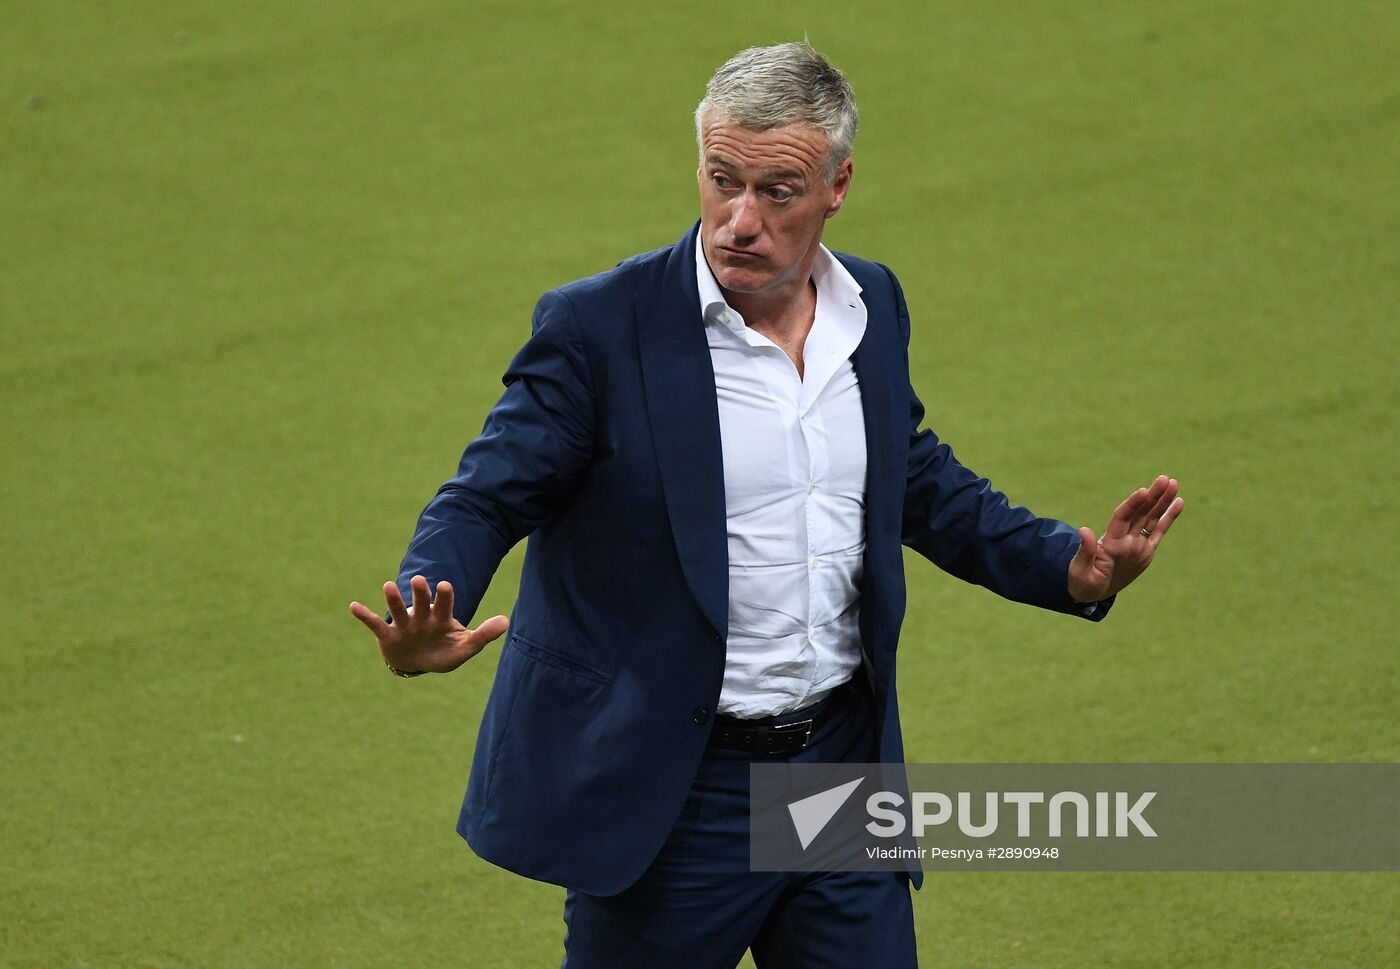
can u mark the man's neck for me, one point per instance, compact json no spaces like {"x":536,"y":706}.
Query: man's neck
{"x":786,"y":322}
{"x":786,"y":312}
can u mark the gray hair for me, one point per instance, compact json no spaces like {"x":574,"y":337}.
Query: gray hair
{"x":769,"y":87}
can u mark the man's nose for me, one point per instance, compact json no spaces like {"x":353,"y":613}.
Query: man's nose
{"x":744,"y":218}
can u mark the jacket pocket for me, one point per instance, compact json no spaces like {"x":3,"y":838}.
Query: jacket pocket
{"x":550,"y":656}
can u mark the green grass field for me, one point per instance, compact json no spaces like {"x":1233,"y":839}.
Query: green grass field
{"x":261,"y":267}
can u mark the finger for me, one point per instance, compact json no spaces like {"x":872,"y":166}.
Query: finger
{"x":1133,"y":504}
{"x":370,"y":618}
{"x":1121,"y":522}
{"x":1169,"y":516}
{"x":421,"y":604}
{"x":1161,"y":504}
{"x":442,"y":605}
{"x":489,"y":631}
{"x":397,"y":610}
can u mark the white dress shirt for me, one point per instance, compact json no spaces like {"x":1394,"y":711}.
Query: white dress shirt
{"x":794,"y":494}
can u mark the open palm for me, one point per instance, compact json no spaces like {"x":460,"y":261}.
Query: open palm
{"x":1103,"y":567}
{"x":426,"y":637}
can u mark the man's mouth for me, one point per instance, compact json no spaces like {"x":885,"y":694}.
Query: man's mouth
{"x":740,"y":253}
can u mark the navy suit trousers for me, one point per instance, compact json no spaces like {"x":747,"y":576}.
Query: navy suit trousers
{"x":698,"y":906}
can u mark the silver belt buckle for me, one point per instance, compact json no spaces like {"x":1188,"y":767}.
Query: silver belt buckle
{"x":804,"y":727}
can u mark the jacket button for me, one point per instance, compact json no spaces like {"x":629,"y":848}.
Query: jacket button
{"x":700,"y":714}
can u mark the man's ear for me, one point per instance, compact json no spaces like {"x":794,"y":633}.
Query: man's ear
{"x":840,"y":185}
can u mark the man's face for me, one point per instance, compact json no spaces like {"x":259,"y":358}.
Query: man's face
{"x":763,"y":203}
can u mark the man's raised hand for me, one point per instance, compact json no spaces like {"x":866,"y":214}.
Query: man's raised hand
{"x":426,"y":636}
{"x":1102,"y":567}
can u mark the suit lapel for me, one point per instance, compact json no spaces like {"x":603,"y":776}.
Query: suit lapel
{"x":679,"y":383}
{"x":878,"y":403}
{"x":886,"y":415}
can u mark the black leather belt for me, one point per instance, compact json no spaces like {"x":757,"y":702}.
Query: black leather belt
{"x":769,"y":736}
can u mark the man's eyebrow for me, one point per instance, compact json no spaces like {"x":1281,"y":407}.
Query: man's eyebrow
{"x":772,"y":175}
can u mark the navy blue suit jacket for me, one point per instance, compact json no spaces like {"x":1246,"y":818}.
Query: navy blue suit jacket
{"x":604,"y":451}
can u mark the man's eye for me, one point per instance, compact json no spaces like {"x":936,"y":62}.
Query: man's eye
{"x":779,"y":194}
{"x":722,"y":181}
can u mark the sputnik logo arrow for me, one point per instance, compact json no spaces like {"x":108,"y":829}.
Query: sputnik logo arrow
{"x":811,"y":814}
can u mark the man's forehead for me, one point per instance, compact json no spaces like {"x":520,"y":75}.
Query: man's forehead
{"x":794,"y":149}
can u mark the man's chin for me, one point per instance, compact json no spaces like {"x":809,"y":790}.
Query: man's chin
{"x":742,"y":280}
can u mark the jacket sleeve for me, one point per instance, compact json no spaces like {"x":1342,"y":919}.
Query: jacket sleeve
{"x":957,"y":520}
{"x":536,"y":444}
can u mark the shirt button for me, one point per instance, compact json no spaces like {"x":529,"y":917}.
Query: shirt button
{"x":811,"y":489}
{"x":815,"y":562}
{"x":700,"y":714}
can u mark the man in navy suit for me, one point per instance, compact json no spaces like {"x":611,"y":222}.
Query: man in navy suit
{"x":716,"y":455}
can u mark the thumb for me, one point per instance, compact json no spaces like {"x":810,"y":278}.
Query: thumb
{"x":1088,"y":545}
{"x":490,"y":630}
{"x":1085,"y":583}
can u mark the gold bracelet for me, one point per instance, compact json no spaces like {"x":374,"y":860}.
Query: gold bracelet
{"x":406,"y":674}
